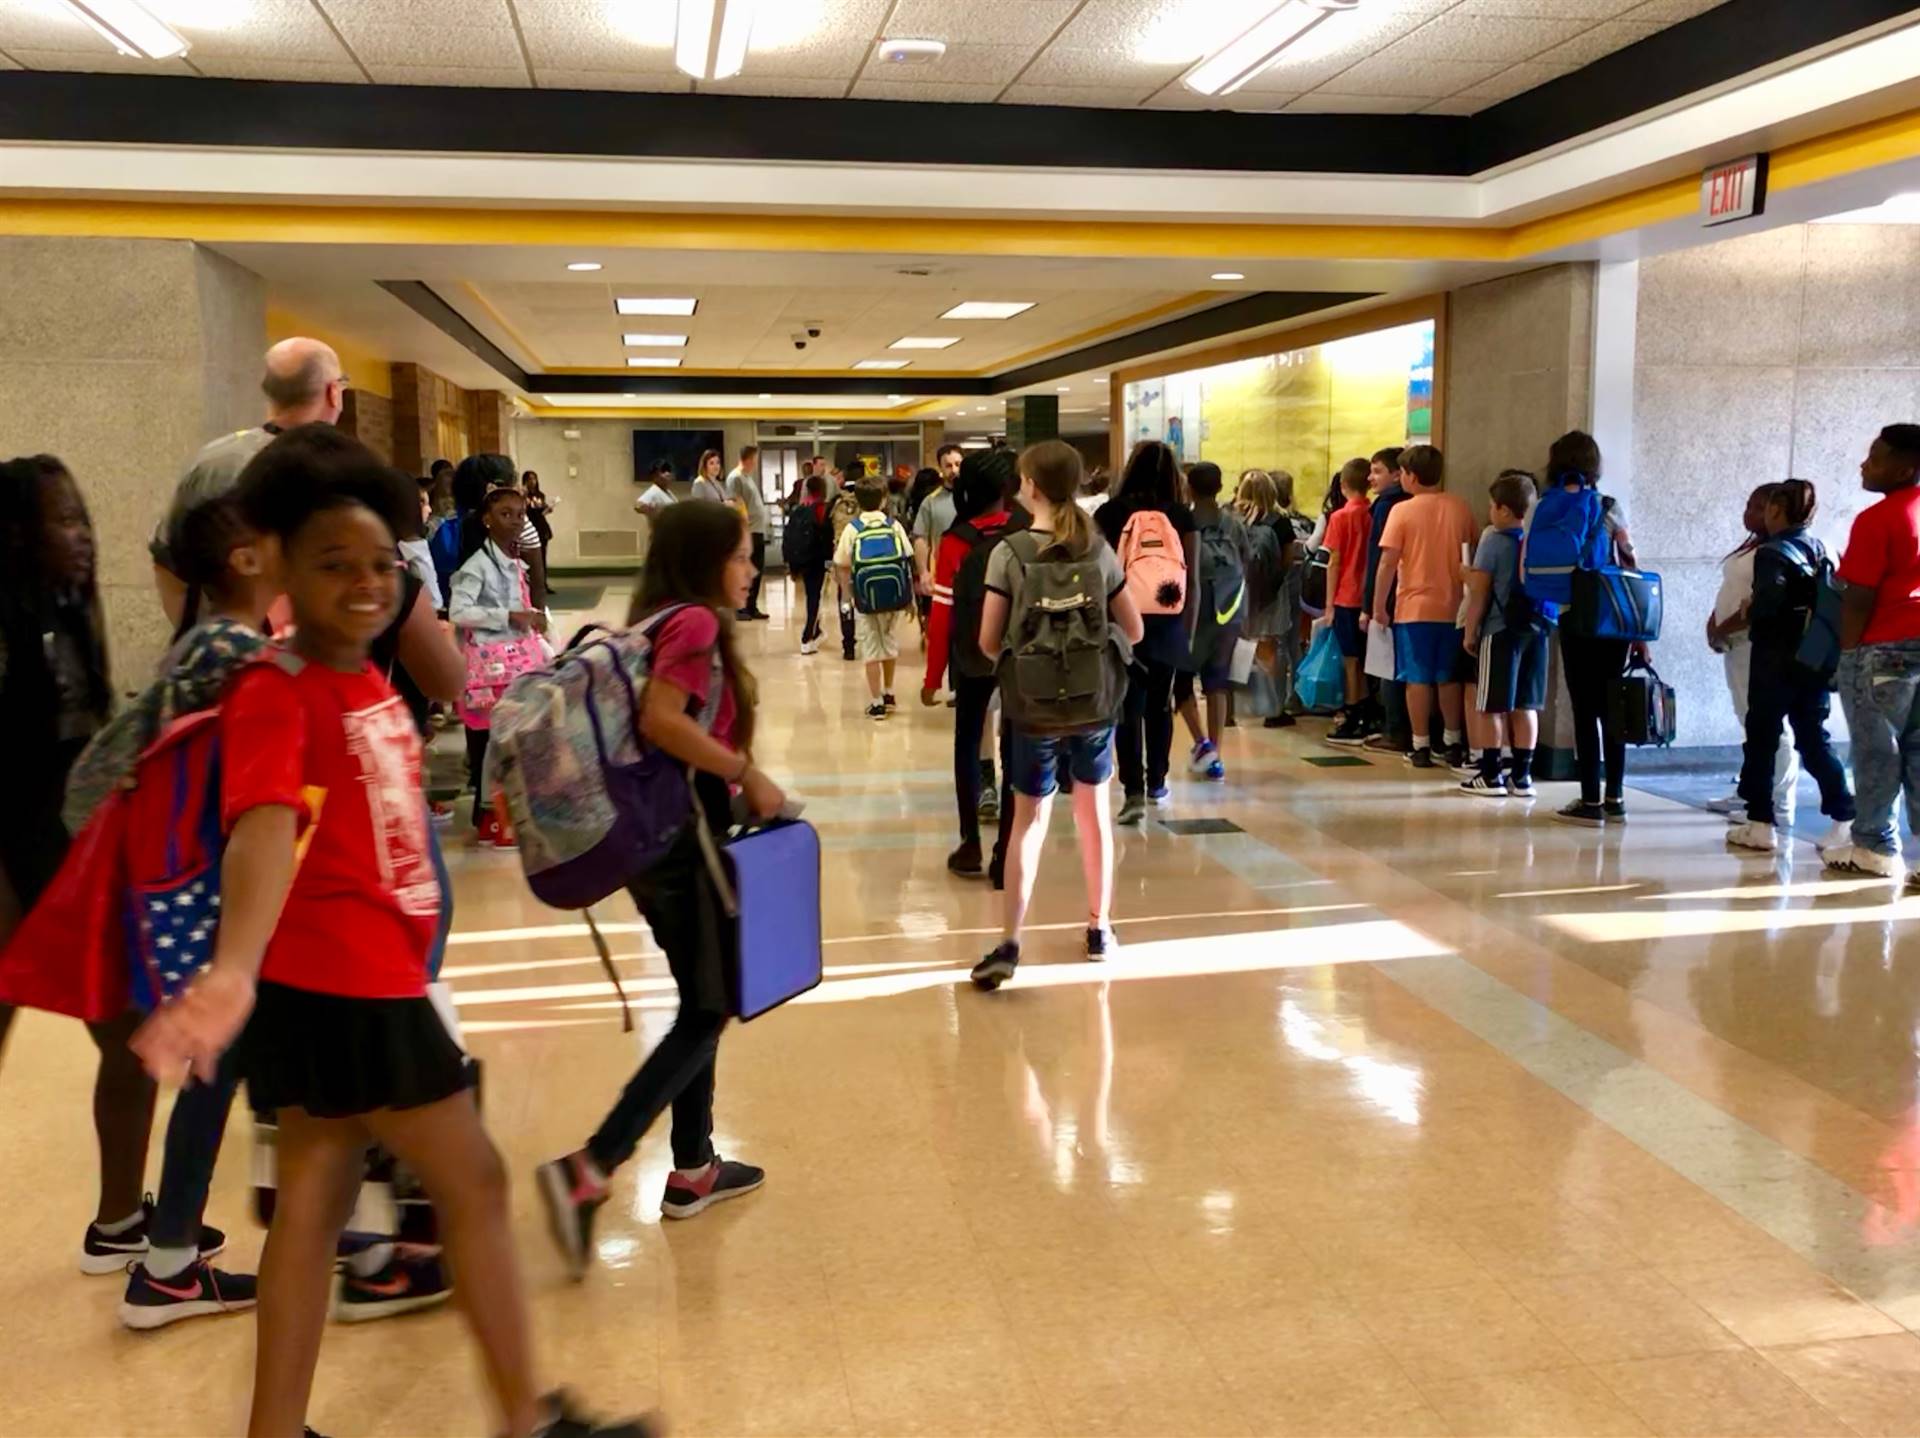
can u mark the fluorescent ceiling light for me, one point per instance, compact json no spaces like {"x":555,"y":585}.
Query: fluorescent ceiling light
{"x":584,"y":267}
{"x":883,"y":364}
{"x":988,"y":309}
{"x":1239,"y":61}
{"x":129,"y":28}
{"x":653,"y":362}
{"x":628,"y":306}
{"x":924,"y":342}
{"x":766,"y":396}
{"x":669,"y":340}
{"x":1229,"y":275}
{"x":1063,"y":388}
{"x":710,"y":40}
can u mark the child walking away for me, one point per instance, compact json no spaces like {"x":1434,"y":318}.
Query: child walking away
{"x":1060,"y":623}
{"x":953,"y":630}
{"x":1225,"y":553}
{"x":1274,"y":576}
{"x":807,"y":546}
{"x":874,"y":563}
{"x":1349,"y":531}
{"x":702,"y":573}
{"x":1506,"y":636}
{"x":321,"y":951}
{"x":54,"y":695}
{"x":492,"y":608}
{"x":1793,"y":672}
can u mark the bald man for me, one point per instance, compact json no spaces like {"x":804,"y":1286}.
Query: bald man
{"x":303,"y":385}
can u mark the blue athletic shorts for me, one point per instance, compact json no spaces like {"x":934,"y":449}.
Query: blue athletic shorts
{"x":1427,"y":653}
{"x":1034,"y":761}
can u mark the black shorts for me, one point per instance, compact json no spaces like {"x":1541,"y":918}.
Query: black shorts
{"x":335,"y":1057}
{"x":1348,"y":637}
{"x":1513,"y":672}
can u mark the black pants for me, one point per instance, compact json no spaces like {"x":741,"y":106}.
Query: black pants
{"x":476,"y":766}
{"x":846,"y":624}
{"x":1590,"y":666}
{"x":814,"y":580}
{"x":680,"y":905}
{"x":759,"y":572}
{"x":1777,"y":695}
{"x":1146,"y":727}
{"x":1394,"y":719}
{"x":972,"y":701}
{"x":194,"y":1133}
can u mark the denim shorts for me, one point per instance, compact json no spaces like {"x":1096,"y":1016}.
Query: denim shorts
{"x":1034,"y":761}
{"x":1428,"y":653}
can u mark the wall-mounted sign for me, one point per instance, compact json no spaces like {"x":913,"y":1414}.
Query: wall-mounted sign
{"x":1733,"y":191}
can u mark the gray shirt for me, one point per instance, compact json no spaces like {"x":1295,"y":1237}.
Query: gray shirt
{"x":212,"y":475}
{"x":1498,"y":555}
{"x":934,"y":520}
{"x":1005,"y":572}
{"x":704,"y":488}
{"x":746,"y":488}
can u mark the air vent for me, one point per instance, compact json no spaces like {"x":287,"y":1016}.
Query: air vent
{"x":609,"y":544}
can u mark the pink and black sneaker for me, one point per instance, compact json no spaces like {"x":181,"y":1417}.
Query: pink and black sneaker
{"x":573,"y":1197}
{"x":719,"y":1181}
{"x":193,"y":1292}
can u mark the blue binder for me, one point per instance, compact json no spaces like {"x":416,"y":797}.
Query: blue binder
{"x":776,"y":879}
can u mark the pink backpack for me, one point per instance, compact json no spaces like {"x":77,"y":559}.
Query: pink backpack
{"x":1155,"y":563}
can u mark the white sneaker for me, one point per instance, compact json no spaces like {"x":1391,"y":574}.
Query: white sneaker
{"x":1737,"y":815}
{"x":1727,"y":805}
{"x":812,"y":646}
{"x":1760,"y":837}
{"x":1853,"y":859}
{"x":1201,"y":758}
{"x":1839,"y":836}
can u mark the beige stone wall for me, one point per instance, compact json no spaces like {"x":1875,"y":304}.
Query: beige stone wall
{"x":123,"y":357}
{"x":1762,"y":357}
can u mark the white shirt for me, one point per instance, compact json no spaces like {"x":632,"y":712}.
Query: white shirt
{"x":652,"y":500}
{"x":1736,"y":588}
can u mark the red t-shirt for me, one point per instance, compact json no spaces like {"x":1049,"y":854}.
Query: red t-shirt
{"x":1883,"y":554}
{"x":1348,"y":531}
{"x":341,"y":748}
{"x":683,"y":656}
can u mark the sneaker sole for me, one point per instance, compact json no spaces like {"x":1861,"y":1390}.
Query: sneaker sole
{"x":1481,"y":793}
{"x":145,"y":1320}
{"x":700,"y":1206}
{"x":989,"y":979}
{"x":344,"y":1312}
{"x":560,"y":1219}
{"x":1578,"y":821}
{"x":99,"y":1265}
{"x":1868,"y":873}
{"x":1753,"y":848}
{"x":1523,"y":794}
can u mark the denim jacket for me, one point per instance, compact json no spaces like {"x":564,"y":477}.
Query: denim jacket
{"x":486,"y":589}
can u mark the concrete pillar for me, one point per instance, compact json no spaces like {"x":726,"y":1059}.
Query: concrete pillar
{"x":123,"y":357}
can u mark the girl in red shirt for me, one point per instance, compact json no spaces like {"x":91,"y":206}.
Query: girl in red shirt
{"x":328,"y":909}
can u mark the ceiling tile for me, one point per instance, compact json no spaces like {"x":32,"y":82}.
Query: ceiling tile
{"x":310,"y":72}
{"x":929,"y":90}
{"x":1603,"y":39}
{"x":561,"y":78}
{"x":961,"y":65}
{"x":1058,"y":65}
{"x":1482,"y":38}
{"x":583,"y":49}
{"x":1097,"y":97}
{"x":1390,"y":74}
{"x":1324,"y":104}
{"x":751,"y":85}
{"x":818,"y":60}
{"x":272,"y":29}
{"x":1672,"y":12}
{"x":6,"y":64}
{"x":1179,"y":97}
{"x":33,"y":25}
{"x":1455,"y":105}
{"x":497,"y":77}
{"x":105,"y":60}
{"x":1517,"y":80}
{"x":1004,"y":22}
{"x":812,"y":24}
{"x":474,"y":34}
{"x":1547,"y":9}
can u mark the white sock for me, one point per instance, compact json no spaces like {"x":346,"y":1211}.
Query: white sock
{"x":369,"y":1261}
{"x":1454,"y":736}
{"x":1422,"y":741}
{"x":122,"y":1225}
{"x":170,"y":1262}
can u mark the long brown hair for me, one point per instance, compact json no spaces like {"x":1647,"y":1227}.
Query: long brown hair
{"x":1055,"y":468}
{"x":686,"y":564}
{"x":700,"y":470}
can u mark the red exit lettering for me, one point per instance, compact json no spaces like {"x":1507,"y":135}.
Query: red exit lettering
{"x":1728,"y":191}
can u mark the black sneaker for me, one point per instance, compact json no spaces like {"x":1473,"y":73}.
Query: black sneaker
{"x":409,"y":1282}
{"x":997,"y":871}
{"x":192,"y":1293}
{"x":1460,"y":761}
{"x":889,"y":701}
{"x":997,"y":967}
{"x":1102,"y":944}
{"x":876,"y":710}
{"x":1422,"y":759}
{"x":1587,"y":815}
{"x":722,"y":1180}
{"x":568,"y":1421}
{"x":105,"y":1253}
{"x":1378,"y":741}
{"x":1481,"y":787}
{"x":1350,"y":732}
{"x":572,"y":1201}
{"x":1278,"y":721}
{"x":966,"y":860}
{"x":1616,"y":811}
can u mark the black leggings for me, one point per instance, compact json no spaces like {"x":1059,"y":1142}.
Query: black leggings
{"x":814,"y":580}
{"x":972,"y":700}
{"x":1146,"y":727}
{"x":194,"y":1133}
{"x":759,"y":572}
{"x":476,"y":767}
{"x":1589,"y":666}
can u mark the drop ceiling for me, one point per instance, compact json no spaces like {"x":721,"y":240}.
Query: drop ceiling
{"x":1450,"y":57}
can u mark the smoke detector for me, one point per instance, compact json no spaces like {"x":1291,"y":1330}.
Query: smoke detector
{"x":912,"y":52}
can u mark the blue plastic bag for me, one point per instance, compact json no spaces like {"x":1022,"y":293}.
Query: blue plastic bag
{"x":1320,"y":681}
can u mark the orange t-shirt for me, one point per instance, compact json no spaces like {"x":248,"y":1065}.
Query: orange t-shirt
{"x":1428,"y":530}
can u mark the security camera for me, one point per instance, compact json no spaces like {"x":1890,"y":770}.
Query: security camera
{"x":813,"y":332}
{"x":799,"y":344}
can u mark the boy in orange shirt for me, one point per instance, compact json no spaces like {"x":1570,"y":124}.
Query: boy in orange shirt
{"x":1422,"y":548}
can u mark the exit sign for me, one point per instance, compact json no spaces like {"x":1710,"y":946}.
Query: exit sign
{"x":1733,"y":191}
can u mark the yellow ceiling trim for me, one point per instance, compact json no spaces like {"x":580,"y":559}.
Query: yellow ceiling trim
{"x":777,"y":416}
{"x":364,"y":365}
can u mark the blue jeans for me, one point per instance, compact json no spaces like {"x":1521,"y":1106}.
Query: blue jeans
{"x":1880,"y":693}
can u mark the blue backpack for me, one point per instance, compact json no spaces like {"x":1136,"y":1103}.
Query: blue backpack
{"x":882,"y":568}
{"x":444,"y":548}
{"x":1567,"y":531}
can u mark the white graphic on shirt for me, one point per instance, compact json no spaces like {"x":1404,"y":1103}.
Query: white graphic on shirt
{"x":383,"y":740}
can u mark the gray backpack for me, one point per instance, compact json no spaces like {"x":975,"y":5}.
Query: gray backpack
{"x":1064,"y":670}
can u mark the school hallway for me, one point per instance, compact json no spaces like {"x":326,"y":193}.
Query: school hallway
{"x":1398,"y":1113}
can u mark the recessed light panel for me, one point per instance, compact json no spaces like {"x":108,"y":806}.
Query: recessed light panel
{"x":630,"y":306}
{"x":924,"y":342}
{"x":988,"y":309}
{"x":1229,"y":275}
{"x":584,"y":267}
{"x":670,"y":341}
{"x":653,"y":362}
{"x":883,"y":364}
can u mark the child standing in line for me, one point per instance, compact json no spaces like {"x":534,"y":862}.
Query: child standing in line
{"x":695,"y":586}
{"x":1225,"y":555}
{"x":492,"y":606}
{"x":1508,"y":644}
{"x":1050,"y":475}
{"x":875,"y":643}
{"x":322,"y":947}
{"x":1420,"y":551}
{"x":1349,"y":531}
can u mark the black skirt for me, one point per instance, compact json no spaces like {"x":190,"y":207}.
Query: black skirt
{"x":335,"y":1057}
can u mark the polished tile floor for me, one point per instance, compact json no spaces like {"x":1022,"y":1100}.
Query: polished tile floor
{"x":1400,"y":1113}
